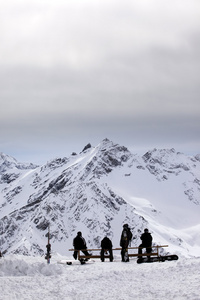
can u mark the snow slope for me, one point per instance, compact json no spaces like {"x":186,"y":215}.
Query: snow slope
{"x":97,"y":191}
{"x":30,"y":278}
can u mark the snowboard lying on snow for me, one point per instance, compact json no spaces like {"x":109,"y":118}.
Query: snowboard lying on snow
{"x":75,"y":262}
{"x":157,"y":258}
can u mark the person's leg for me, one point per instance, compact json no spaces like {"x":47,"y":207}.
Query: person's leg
{"x":75,"y":254}
{"x":111,"y":254}
{"x":148,"y":250}
{"x":102,"y":254}
{"x":86,"y":253}
{"x":140,"y":250}
{"x":122,"y":253}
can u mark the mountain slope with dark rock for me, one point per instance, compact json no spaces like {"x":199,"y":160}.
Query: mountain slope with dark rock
{"x":97,"y":191}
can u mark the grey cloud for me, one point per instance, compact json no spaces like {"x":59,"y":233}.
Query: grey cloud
{"x":127,"y":70}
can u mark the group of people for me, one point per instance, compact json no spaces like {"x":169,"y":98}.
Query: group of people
{"x":79,"y":243}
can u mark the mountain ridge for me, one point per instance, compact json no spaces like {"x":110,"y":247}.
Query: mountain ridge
{"x":97,"y":191}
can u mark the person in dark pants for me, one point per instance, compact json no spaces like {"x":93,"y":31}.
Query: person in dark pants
{"x":146,"y":242}
{"x":79,"y":243}
{"x":126,"y":237}
{"x":106,"y":245}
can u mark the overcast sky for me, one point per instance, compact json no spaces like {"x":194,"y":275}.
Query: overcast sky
{"x":78,"y":71}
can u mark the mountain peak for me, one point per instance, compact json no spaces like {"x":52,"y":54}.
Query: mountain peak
{"x":6,"y":158}
{"x":8,"y":162}
{"x":97,"y":191}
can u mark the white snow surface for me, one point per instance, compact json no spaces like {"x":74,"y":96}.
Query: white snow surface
{"x":96,"y":192}
{"x":31,"y":278}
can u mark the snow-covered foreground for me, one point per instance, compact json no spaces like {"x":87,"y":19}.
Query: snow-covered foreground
{"x":31,"y":278}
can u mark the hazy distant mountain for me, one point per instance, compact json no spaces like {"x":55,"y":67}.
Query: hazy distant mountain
{"x":97,"y":191}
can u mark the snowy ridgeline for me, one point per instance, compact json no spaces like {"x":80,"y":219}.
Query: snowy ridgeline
{"x":24,"y":278}
{"x":97,"y":191}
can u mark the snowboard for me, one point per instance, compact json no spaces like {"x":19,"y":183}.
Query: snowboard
{"x":157,"y":258}
{"x":126,"y":258}
{"x":70,"y":262}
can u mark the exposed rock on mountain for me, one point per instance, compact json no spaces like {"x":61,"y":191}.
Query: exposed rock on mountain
{"x":97,"y":191}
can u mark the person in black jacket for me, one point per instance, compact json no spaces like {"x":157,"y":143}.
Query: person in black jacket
{"x":126,"y":237}
{"x":79,"y":243}
{"x":106,"y":245}
{"x":146,"y":242}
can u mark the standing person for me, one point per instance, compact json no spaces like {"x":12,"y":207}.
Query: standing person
{"x":126,"y":237}
{"x":146,"y":242}
{"x":79,"y":243}
{"x":106,"y":245}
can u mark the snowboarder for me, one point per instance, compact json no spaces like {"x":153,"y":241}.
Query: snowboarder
{"x":146,"y":242}
{"x":126,"y":237}
{"x":106,"y":246}
{"x":79,"y":243}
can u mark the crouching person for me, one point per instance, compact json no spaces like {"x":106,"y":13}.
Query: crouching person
{"x":106,"y":246}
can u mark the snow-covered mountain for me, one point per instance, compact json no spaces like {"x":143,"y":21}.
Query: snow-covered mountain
{"x":96,"y":192}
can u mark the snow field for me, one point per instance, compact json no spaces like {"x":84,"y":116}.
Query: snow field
{"x":30,"y":278}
